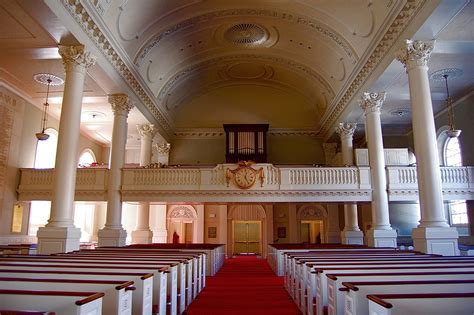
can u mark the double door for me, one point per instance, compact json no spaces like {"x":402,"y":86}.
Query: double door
{"x":247,"y":237}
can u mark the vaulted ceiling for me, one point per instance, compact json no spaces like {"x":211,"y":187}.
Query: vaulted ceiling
{"x":196,"y":64}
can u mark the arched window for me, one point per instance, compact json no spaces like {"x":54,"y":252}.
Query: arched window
{"x":87,"y":158}
{"x":451,"y":156}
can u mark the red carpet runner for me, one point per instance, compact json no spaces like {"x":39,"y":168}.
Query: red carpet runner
{"x":244,"y":285}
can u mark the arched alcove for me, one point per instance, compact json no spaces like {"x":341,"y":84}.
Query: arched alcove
{"x":312,"y":220}
{"x":253,"y":218}
{"x":182,"y":220}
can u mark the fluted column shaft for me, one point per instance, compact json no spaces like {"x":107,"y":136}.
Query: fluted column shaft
{"x":371,"y":103}
{"x":76,"y":61}
{"x":121,"y":106}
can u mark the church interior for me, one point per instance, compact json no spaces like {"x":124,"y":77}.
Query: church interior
{"x":252,"y":129}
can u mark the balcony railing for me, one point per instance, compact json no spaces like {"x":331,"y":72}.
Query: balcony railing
{"x":276,"y":184}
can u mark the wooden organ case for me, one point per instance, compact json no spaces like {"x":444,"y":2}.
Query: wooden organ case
{"x":246,"y":142}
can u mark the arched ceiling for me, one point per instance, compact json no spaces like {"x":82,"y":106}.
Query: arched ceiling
{"x":211,"y":61}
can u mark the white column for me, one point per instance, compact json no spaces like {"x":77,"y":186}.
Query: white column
{"x":142,"y":233}
{"x":60,"y":235}
{"x":380,"y":234}
{"x":351,"y":233}
{"x":433,"y":235}
{"x":113,"y":234}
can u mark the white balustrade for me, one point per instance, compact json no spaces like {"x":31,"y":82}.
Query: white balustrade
{"x":279,"y":184}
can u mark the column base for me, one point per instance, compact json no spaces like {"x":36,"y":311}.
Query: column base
{"x":58,"y":239}
{"x":160,"y":236}
{"x":142,"y":237}
{"x":381,"y":238}
{"x":436,"y":240}
{"x":112,"y":237}
{"x":352,"y":237}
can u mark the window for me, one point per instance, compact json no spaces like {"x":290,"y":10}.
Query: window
{"x":87,"y":158}
{"x":452,"y":157}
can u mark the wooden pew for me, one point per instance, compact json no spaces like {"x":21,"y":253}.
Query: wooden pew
{"x":193,"y":272}
{"x":199,"y":267}
{"x":142,"y":303}
{"x":117,"y":294}
{"x":61,"y":302}
{"x":355,"y":301}
{"x":160,"y":275}
{"x":422,"y":304}
{"x":350,"y":260}
{"x":19,"y":312}
{"x":322,"y":289}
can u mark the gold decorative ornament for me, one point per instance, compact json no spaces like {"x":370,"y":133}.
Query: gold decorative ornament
{"x":244,"y":175}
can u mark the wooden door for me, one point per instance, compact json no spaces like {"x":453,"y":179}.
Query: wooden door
{"x":247,"y":235}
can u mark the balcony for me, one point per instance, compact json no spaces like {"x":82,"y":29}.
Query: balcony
{"x":276,"y":184}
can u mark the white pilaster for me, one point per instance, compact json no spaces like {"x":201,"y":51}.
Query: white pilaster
{"x":380,"y":234}
{"x":433,"y":235}
{"x":60,"y":235}
{"x":292,"y":223}
{"x":160,"y":233}
{"x":142,"y":233}
{"x":163,"y":150}
{"x":351,"y":233}
{"x":113,"y":234}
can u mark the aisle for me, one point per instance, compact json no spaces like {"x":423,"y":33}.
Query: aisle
{"x":244,"y":285}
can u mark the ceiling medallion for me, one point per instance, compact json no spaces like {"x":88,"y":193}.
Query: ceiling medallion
{"x":401,"y":112}
{"x":246,"y":34}
{"x":48,"y":79}
{"x":451,"y":72}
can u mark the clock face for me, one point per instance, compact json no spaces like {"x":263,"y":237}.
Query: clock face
{"x":245,"y":177}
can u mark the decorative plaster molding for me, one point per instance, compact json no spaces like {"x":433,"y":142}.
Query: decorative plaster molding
{"x":121,"y":104}
{"x":345,"y":130}
{"x":84,"y":19}
{"x":282,"y":132}
{"x":147,"y":130}
{"x":178,"y":77}
{"x":372,"y":102}
{"x":415,"y":53}
{"x":164,"y":148}
{"x":407,"y":13}
{"x":316,"y":25}
{"x":181,"y":213}
{"x":198,"y":133}
{"x":76,"y":57}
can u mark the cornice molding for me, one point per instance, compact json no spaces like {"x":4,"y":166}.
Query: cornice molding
{"x":406,"y":15}
{"x":218,"y":133}
{"x":95,"y":34}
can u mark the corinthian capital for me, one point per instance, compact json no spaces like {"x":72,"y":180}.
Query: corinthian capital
{"x":415,"y":53}
{"x":163,"y":149}
{"x":76,"y":57}
{"x":121,"y":104}
{"x":146,"y":130}
{"x":346,"y":129}
{"x":372,"y":102}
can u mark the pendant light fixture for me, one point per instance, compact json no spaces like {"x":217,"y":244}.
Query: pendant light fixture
{"x":452,"y":132}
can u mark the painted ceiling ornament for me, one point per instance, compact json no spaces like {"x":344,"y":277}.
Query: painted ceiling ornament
{"x":415,"y":53}
{"x":371,"y":101}
{"x":345,"y":129}
{"x":76,"y":56}
{"x":147,"y":130}
{"x":121,"y":104}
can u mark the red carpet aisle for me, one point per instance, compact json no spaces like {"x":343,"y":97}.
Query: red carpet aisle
{"x":245,"y":285}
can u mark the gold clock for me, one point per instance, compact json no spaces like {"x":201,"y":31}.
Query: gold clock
{"x":244,"y":175}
